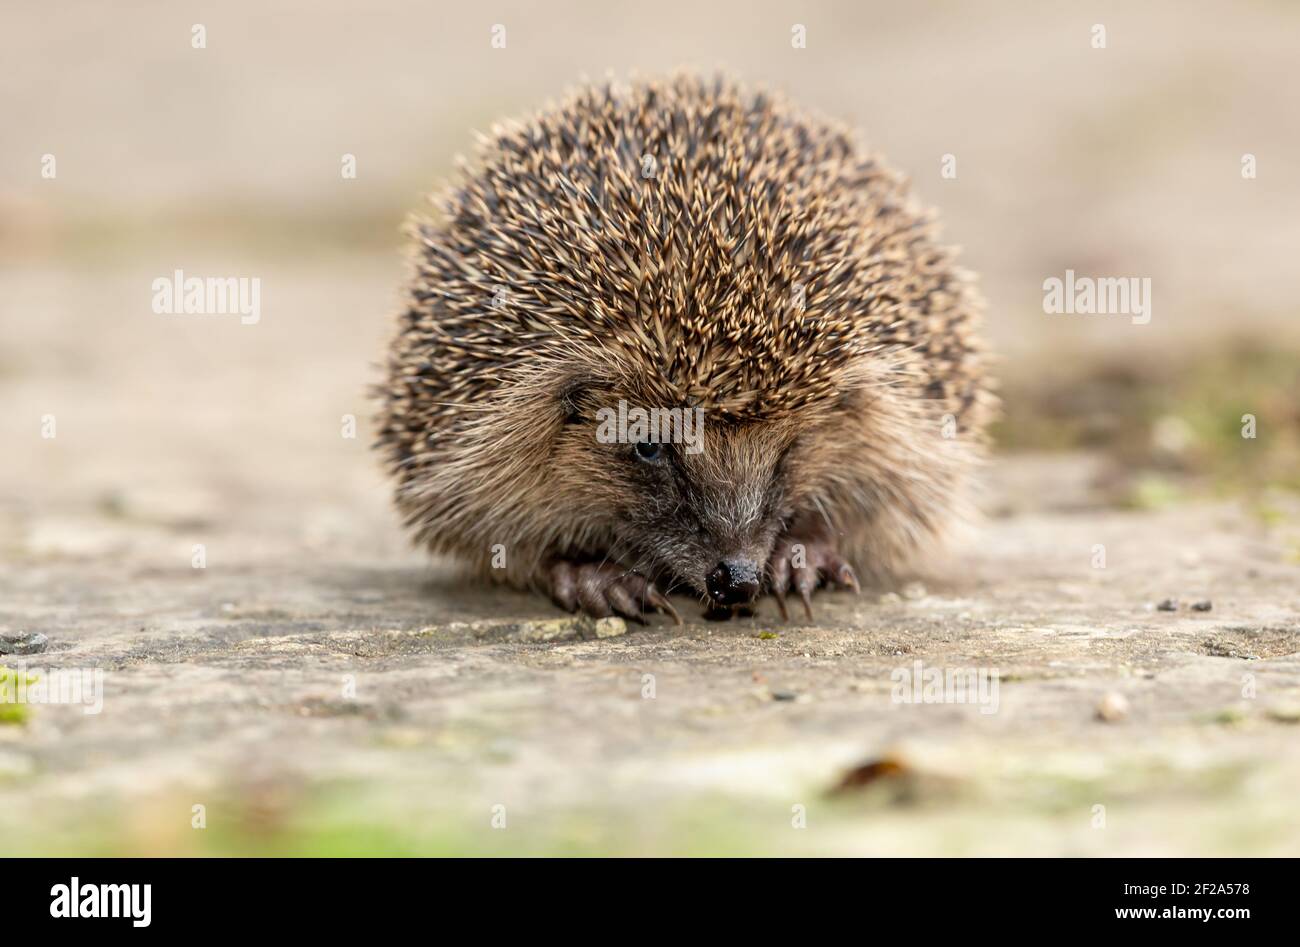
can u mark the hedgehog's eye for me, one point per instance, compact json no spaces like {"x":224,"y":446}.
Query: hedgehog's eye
{"x":647,"y":451}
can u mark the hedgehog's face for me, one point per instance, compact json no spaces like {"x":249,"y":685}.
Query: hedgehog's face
{"x":690,"y":502}
{"x":708,"y":512}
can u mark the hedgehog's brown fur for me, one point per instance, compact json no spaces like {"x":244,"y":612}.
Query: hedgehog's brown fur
{"x":568,"y":271}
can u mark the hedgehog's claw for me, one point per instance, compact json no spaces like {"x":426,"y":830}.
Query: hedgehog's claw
{"x":603,"y":589}
{"x":780,"y":603}
{"x":806,"y":596}
{"x":805,"y":580}
{"x":564,"y":588}
{"x":660,"y":601}
{"x":623,"y":603}
{"x":822,"y":565}
{"x":847,"y":575}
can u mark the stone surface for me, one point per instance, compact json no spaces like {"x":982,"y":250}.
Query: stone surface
{"x":299,"y":694}
{"x":20,"y":642}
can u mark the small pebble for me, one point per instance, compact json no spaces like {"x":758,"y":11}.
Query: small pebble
{"x":913,"y":590}
{"x":570,"y":628}
{"x":784,"y":695}
{"x":21,"y":642}
{"x":1284,"y":713}
{"x":1113,"y":707}
{"x":1202,"y":606}
{"x":1168,"y":605}
{"x":610,"y":627}
{"x":890,"y":598}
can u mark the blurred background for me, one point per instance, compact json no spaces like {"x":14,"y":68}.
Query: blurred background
{"x":1120,"y":161}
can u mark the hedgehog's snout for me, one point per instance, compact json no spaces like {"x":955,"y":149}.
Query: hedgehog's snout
{"x":734,"y":582}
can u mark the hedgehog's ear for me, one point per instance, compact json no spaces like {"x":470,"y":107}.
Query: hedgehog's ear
{"x":574,"y":391}
{"x":850,"y":398}
{"x":577,"y":395}
{"x":859,"y":386}
{"x":571,"y":402}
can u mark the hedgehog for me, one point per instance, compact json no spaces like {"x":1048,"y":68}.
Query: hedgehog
{"x":696,"y":246}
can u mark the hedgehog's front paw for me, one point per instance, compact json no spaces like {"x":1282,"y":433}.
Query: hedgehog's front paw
{"x":801,"y":565}
{"x":602,"y":589}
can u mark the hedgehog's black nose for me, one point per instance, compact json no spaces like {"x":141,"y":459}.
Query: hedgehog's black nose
{"x":733,"y":582}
